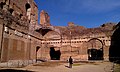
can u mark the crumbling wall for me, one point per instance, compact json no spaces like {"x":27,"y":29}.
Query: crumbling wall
{"x":17,"y":33}
{"x":74,"y":41}
{"x":44,"y":18}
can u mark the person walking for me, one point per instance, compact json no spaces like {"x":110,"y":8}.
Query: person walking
{"x":70,"y":62}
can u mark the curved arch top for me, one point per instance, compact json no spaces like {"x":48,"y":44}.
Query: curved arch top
{"x":27,"y":6}
{"x":98,"y":40}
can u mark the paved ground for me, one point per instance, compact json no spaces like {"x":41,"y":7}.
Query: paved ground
{"x":63,"y":67}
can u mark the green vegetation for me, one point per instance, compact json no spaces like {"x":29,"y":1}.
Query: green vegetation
{"x":48,"y":64}
{"x":117,"y":68}
{"x":76,"y":64}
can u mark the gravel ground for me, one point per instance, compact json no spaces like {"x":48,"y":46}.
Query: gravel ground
{"x":63,"y":67}
{"x":77,"y":67}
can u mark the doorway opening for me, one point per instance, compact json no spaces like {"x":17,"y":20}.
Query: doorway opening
{"x":37,"y":48}
{"x":95,"y":49}
{"x":94,"y":54}
{"x":54,"y":54}
{"x":28,"y":10}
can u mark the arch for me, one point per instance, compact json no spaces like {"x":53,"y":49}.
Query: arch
{"x":52,"y":35}
{"x":37,"y":48}
{"x":21,"y":15}
{"x":28,"y":10}
{"x":11,"y":10}
{"x":27,"y":6}
{"x":98,"y":40}
{"x":54,"y":54}
{"x":1,"y":5}
{"x":95,"y":53}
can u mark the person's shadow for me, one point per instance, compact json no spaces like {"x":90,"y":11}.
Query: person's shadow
{"x":67,"y":66}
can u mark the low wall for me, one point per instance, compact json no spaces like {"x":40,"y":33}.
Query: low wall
{"x":17,"y":63}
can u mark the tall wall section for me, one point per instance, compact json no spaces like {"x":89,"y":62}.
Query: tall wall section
{"x":18,"y":38}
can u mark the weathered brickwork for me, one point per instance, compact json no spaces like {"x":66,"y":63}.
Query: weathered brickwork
{"x":23,"y":40}
{"x":76,"y":40}
{"x":18,"y":38}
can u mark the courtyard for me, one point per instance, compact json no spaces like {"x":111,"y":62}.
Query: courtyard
{"x":63,"y":67}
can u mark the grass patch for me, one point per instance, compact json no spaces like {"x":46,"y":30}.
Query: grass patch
{"x":94,"y":63}
{"x":48,"y":64}
{"x":91,"y":63}
{"x":117,"y":68}
{"x":76,"y":64}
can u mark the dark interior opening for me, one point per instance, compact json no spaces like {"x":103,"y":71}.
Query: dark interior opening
{"x":43,"y":31}
{"x":27,"y":6}
{"x":95,"y":54}
{"x":95,"y":51}
{"x":11,"y":11}
{"x":21,"y":15}
{"x":37,"y":48}
{"x":54,"y":55}
{"x":114,"y":50}
{"x":1,"y":5}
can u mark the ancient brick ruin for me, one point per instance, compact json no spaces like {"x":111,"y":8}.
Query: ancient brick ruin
{"x":24,"y":41}
{"x":18,"y":38}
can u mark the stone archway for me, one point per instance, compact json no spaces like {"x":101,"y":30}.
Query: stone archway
{"x":54,"y":54}
{"x":37,"y":48}
{"x":1,"y":5}
{"x":95,"y":49}
{"x":28,"y":10}
{"x":52,"y":46}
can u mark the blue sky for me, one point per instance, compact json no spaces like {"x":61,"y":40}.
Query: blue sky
{"x":88,"y":13}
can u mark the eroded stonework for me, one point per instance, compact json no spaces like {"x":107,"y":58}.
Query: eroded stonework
{"x":18,"y":38}
{"x":77,"y":41}
{"x":24,"y":41}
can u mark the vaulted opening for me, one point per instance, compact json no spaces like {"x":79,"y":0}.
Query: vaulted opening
{"x":28,"y":10}
{"x":37,"y":48}
{"x":1,"y":5}
{"x":54,"y":54}
{"x":11,"y":11}
{"x":95,"y":49}
{"x":27,"y":6}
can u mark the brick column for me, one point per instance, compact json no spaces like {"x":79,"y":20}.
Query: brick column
{"x":106,"y":53}
{"x":1,"y":36}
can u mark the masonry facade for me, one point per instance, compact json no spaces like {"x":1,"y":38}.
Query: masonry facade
{"x":23,"y":40}
{"x":81,"y":43}
{"x":18,"y":38}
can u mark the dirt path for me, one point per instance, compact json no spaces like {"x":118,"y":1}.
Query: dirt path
{"x":77,"y":67}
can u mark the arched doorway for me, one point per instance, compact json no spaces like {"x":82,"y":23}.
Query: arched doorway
{"x":95,"y":49}
{"x":54,"y":54}
{"x":1,"y":5}
{"x":37,"y":48}
{"x":28,"y":10}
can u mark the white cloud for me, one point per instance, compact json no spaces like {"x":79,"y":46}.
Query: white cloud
{"x":94,"y":6}
{"x":101,"y":5}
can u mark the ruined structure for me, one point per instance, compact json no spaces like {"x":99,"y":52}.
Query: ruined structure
{"x":45,"y":19}
{"x":114,"y":49}
{"x":18,"y":38}
{"x":23,"y":40}
{"x":79,"y":42}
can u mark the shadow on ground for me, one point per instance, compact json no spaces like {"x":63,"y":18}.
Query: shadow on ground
{"x":67,"y":66}
{"x":48,"y":64}
{"x":14,"y":70}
